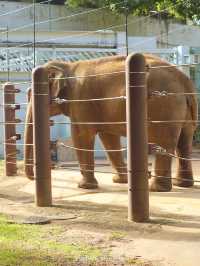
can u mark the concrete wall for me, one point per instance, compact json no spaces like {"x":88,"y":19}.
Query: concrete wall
{"x":168,"y":33}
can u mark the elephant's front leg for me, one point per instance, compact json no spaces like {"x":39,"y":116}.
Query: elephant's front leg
{"x":83,"y":141}
{"x":112,"y":142}
{"x":161,"y":181}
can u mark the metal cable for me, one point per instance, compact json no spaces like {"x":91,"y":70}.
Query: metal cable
{"x":52,"y":20}
{"x":88,"y":170}
{"x":99,"y":123}
{"x":90,"y":75}
{"x":175,"y":178}
{"x":23,"y":8}
{"x":16,"y":144}
{"x":123,"y":123}
{"x":80,"y":34}
{"x":17,"y":83}
{"x":163,"y":34}
{"x":21,"y":108}
{"x":100,"y":74}
{"x":156,"y":67}
{"x":27,"y":164}
{"x":102,"y":30}
{"x":13,"y":104}
{"x":122,"y":173}
{"x":120,"y":25}
{"x":13,"y":156}
{"x":158,"y":150}
{"x":89,"y":123}
{"x":182,"y":158}
{"x":162,"y":93}
{"x":14,"y":123}
{"x":8,"y":93}
{"x":90,"y":150}
{"x":60,"y":38}
{"x":172,"y":65}
{"x":165,"y":93}
{"x":162,"y":151}
{"x":74,"y":15}
{"x":61,"y":101}
{"x":172,"y":121}
{"x":93,"y":165}
{"x":110,"y":172}
{"x":17,"y":158}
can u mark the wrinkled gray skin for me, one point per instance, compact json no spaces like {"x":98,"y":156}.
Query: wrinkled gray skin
{"x":174,"y":137}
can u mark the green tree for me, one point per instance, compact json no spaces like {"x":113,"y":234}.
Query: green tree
{"x":52,"y":2}
{"x":181,"y":9}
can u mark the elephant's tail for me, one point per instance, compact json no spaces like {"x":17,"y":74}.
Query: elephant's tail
{"x":192,"y":105}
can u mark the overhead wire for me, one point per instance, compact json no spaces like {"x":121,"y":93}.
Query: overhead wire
{"x":57,"y":19}
{"x":92,"y":32}
{"x":23,"y":8}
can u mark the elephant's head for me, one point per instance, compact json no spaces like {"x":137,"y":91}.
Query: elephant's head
{"x":57,"y":86}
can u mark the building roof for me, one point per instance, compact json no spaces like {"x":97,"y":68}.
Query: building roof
{"x":22,"y":60}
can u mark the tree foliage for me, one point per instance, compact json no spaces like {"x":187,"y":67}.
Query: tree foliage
{"x":52,"y":2}
{"x":181,"y":9}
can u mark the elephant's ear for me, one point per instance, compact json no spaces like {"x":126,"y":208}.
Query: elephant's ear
{"x":56,"y":80}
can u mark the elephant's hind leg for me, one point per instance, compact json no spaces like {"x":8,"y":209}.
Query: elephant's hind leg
{"x":84,"y":142}
{"x":112,"y":142}
{"x":167,"y":137}
{"x":184,"y":149}
{"x":161,"y":182}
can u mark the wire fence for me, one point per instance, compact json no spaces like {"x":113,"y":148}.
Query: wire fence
{"x":61,"y":101}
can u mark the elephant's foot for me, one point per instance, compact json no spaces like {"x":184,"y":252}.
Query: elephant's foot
{"x":160,"y":185}
{"x":183,"y":182}
{"x":121,"y":179}
{"x":29,"y":172}
{"x":31,"y":178}
{"x":88,"y":183}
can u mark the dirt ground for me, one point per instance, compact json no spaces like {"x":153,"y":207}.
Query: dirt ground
{"x":99,"y":217}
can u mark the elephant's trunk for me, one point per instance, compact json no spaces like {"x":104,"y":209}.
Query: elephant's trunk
{"x":28,"y":141}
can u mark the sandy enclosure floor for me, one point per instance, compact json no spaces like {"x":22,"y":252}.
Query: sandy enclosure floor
{"x":171,"y":238}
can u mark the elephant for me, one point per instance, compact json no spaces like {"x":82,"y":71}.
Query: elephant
{"x":103,"y":78}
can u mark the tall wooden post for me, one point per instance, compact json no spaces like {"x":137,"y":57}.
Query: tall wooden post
{"x":138,"y":193}
{"x":41,"y":137}
{"x":10,"y":150}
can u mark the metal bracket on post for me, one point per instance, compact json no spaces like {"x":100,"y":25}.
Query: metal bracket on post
{"x":10,"y":149}
{"x":137,"y":157}
{"x":41,"y":137}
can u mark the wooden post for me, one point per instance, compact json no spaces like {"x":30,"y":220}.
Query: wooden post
{"x":41,"y":137}
{"x":10,"y":150}
{"x":137,"y":157}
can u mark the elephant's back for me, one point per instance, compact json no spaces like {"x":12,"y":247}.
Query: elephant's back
{"x":103,"y":78}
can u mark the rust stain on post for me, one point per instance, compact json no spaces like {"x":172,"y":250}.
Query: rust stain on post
{"x":10,"y":150}
{"x":138,"y":193}
{"x":41,"y":137}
